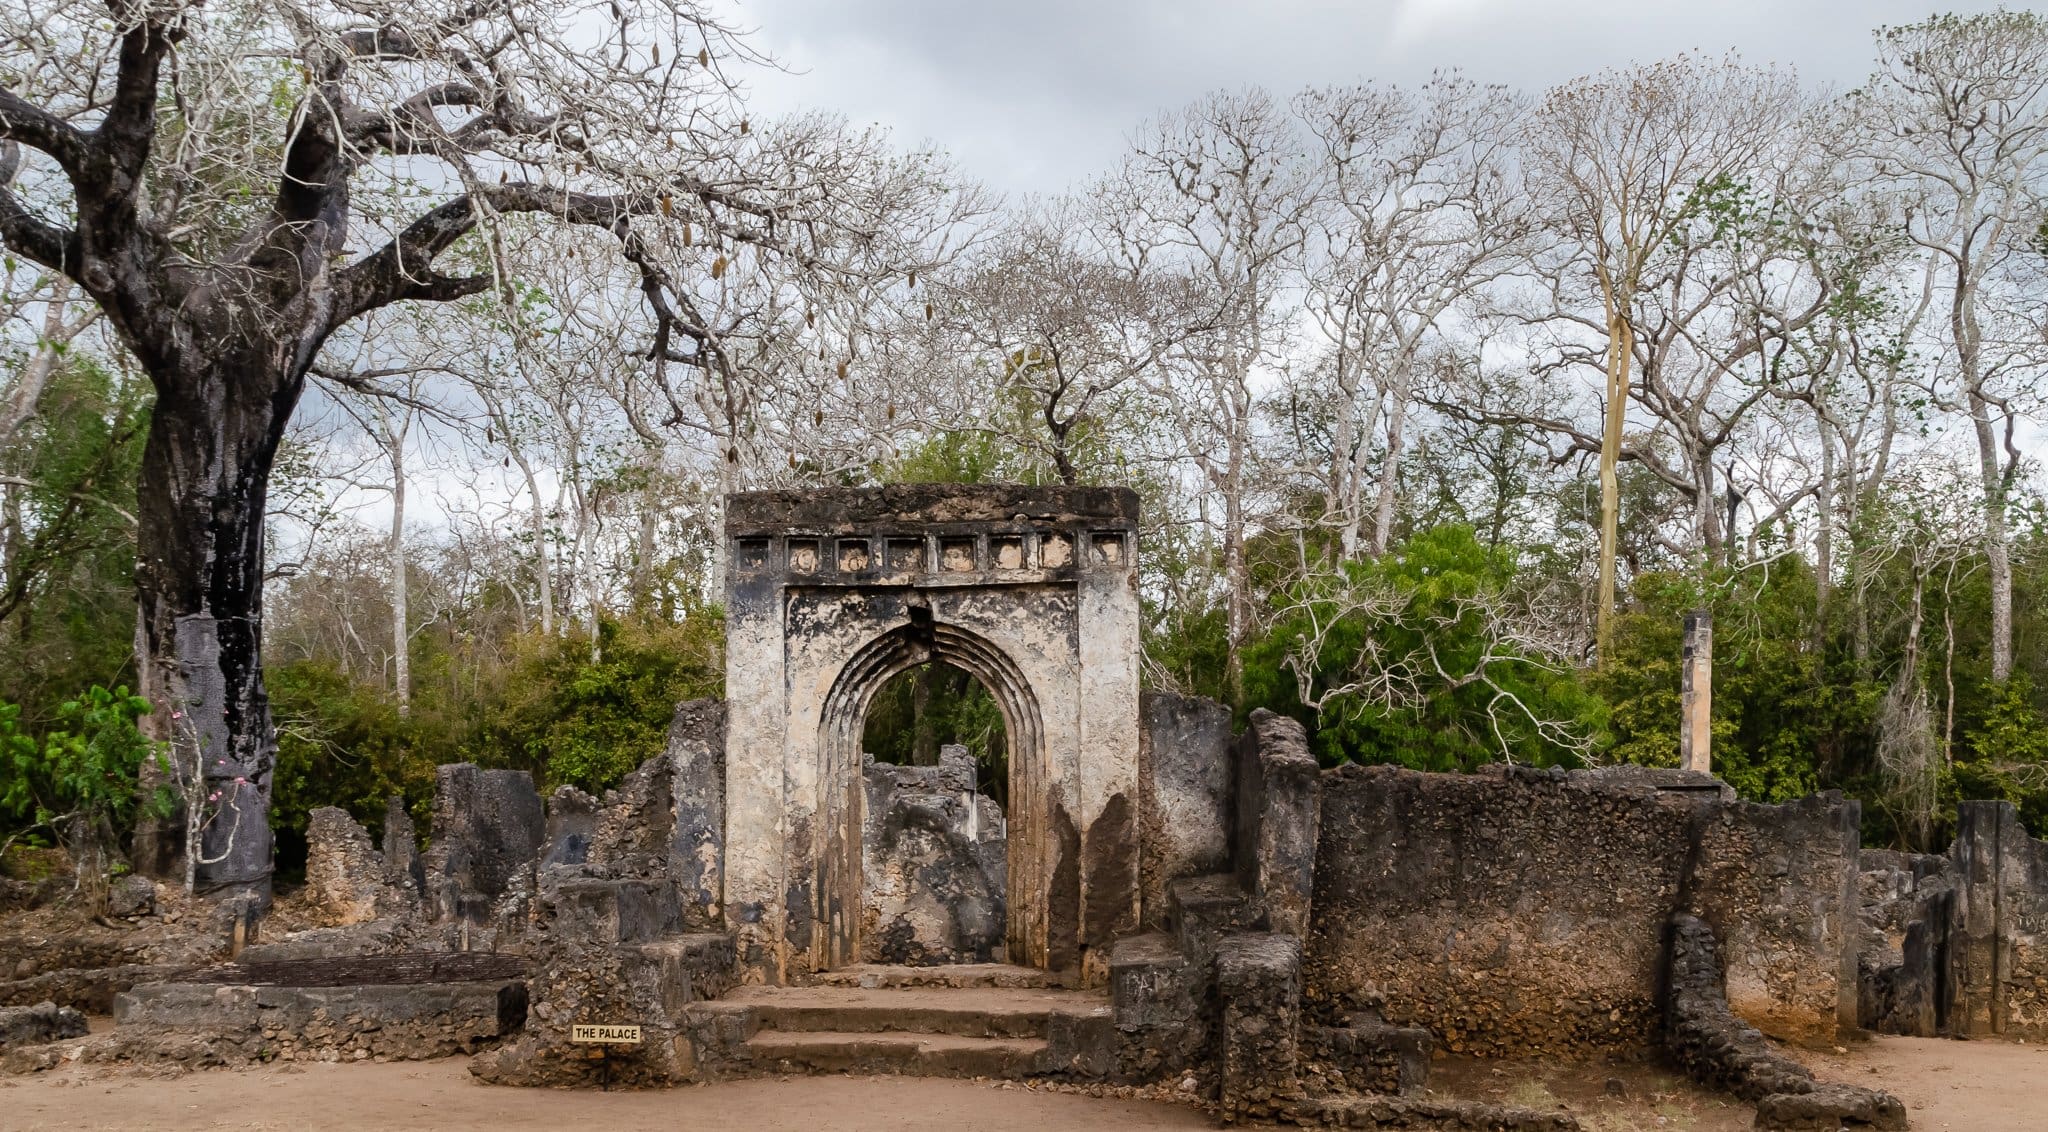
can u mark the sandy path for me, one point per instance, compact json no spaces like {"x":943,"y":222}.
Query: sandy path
{"x":1960,"y":1086}
{"x":441,"y":1095}
{"x":1947,"y":1086}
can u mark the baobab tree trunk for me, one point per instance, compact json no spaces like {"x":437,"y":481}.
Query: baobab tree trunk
{"x":199,"y":579}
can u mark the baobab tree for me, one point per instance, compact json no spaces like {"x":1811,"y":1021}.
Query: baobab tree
{"x":233,"y":183}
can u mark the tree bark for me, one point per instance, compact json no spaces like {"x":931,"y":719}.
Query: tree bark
{"x":1997,"y":550}
{"x":401,"y":613}
{"x":1620,"y":346}
{"x":199,"y":579}
{"x":1390,"y":466}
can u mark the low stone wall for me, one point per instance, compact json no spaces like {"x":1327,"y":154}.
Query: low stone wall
{"x":26,"y":956}
{"x":91,"y":989}
{"x":1779,"y":886}
{"x":1510,"y":913}
{"x":1706,"y":1039}
{"x":404,"y":1022}
{"x":1366,"y":1055}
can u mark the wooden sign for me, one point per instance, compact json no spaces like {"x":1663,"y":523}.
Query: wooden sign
{"x":607,"y":1035}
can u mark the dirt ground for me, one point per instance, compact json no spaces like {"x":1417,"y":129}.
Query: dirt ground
{"x":1955,"y":1086}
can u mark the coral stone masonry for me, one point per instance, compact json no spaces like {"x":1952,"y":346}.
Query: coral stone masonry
{"x":1167,"y":894}
{"x":832,"y":593}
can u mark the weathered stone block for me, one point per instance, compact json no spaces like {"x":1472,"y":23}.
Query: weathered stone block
{"x":403,"y":869}
{"x":1372,"y":1056}
{"x":602,"y":910}
{"x":1258,"y":982}
{"x":696,"y":749}
{"x":345,"y":875}
{"x":132,"y":897}
{"x":1186,"y":784}
{"x":43,"y":1022}
{"x":933,"y":864}
{"x":1998,"y":934}
{"x":1279,"y":805}
{"x":488,"y":828}
{"x":572,"y":820}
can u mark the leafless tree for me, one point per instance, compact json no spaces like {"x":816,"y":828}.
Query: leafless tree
{"x":1957,"y":114}
{"x":1214,"y":204}
{"x":226,"y":240}
{"x":1620,"y":160}
{"x":1422,"y":205}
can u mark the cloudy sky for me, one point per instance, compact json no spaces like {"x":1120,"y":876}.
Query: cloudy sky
{"x":1034,"y":97}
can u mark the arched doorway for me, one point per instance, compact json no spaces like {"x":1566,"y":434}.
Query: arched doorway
{"x":842,"y":726}
{"x":830,"y":593}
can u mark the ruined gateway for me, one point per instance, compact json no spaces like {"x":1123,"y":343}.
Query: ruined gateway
{"x":1161,"y":900}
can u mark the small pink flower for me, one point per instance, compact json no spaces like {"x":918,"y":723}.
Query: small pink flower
{"x":177,"y":715}
{"x":213,"y":797}
{"x":240,"y":781}
{"x":220,"y":762}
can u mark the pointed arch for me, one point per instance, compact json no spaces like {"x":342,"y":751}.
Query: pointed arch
{"x":845,"y":710}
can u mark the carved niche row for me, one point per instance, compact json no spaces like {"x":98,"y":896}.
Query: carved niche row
{"x":866,"y":557}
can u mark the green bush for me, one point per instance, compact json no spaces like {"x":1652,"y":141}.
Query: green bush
{"x":1415,"y":620}
{"x":78,"y":783}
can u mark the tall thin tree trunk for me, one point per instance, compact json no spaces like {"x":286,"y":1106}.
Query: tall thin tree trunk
{"x":1997,"y":548}
{"x":1620,"y":347}
{"x":1390,"y":464}
{"x":401,"y":627}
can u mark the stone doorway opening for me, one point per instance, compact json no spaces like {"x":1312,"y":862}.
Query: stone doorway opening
{"x":1032,"y":592}
{"x":934,"y":839}
{"x":926,"y":708}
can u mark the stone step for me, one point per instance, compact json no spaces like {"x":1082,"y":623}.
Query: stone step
{"x":879,"y":975}
{"x":1216,"y":898}
{"x":1200,"y":909}
{"x":920,"y":1055}
{"x":970,"y":1012}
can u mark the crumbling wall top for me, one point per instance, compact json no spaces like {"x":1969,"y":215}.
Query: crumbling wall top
{"x":843,"y":508}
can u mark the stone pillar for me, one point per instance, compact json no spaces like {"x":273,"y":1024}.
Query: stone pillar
{"x":1258,"y":982}
{"x":1696,"y":693}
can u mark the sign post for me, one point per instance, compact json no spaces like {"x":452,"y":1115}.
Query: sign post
{"x":604,"y":1037}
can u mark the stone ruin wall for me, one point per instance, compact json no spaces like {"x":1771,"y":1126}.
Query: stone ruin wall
{"x":933,"y":866}
{"x":1956,"y":943}
{"x":1515,"y":912}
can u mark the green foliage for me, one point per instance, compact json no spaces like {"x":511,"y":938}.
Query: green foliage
{"x":933,"y":704}
{"x":583,"y":714}
{"x":1781,"y":721}
{"x":1439,"y":687}
{"x":82,"y":775}
{"x":2006,"y":756}
{"x":571,"y":711}
{"x":67,"y":609}
{"x":342,"y":742}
